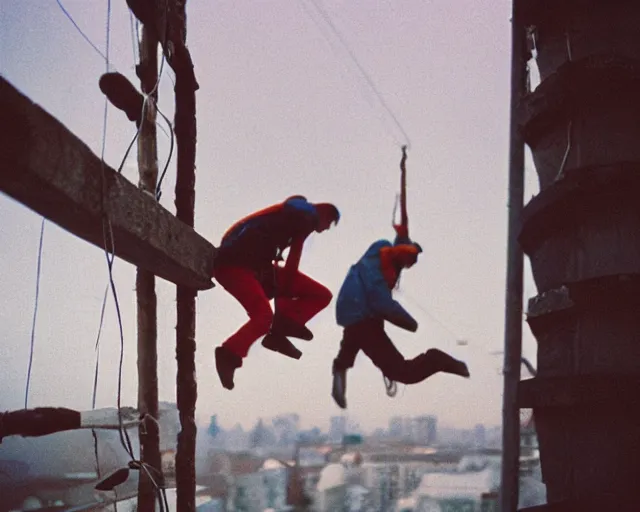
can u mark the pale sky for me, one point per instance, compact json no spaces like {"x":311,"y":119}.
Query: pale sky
{"x":282,"y":110}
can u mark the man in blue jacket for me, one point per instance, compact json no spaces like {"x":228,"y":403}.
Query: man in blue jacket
{"x":364,"y":303}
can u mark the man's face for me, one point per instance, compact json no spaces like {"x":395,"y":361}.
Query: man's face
{"x":408,"y":259}
{"x":411,"y":261}
{"x":324,"y":223}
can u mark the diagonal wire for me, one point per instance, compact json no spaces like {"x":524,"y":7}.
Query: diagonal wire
{"x":361,"y":69}
{"x":86,"y":38}
{"x":35,"y":313}
{"x":97,"y":348}
{"x":134,"y":41}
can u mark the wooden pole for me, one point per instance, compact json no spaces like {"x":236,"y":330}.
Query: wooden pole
{"x":185,"y":128}
{"x":145,"y":284}
{"x":514,"y":279}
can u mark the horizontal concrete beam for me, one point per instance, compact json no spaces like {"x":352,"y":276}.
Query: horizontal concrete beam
{"x":48,"y":169}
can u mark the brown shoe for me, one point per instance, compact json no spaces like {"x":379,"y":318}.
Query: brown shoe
{"x":339,"y":386}
{"x":447,"y":364}
{"x":285,"y":326}
{"x":226,"y":364}
{"x":282,"y":345}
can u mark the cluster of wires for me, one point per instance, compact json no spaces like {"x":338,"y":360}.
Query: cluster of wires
{"x":109,"y":250}
{"x":320,"y":16}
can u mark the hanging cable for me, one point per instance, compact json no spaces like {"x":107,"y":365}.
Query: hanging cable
{"x":35,"y":313}
{"x":164,"y":171}
{"x":124,"y":435}
{"x":104,"y":301}
{"x":109,"y":250}
{"x":565,"y":158}
{"x":95,"y":451}
{"x":84,"y":35}
{"x":124,"y":439}
{"x":86,"y":38}
{"x":367,"y":78}
{"x":452,"y":335}
{"x":430,"y":315}
{"x":134,"y":42}
{"x":95,"y":379}
{"x":109,"y":241}
{"x":97,"y":348}
{"x":110,"y":257}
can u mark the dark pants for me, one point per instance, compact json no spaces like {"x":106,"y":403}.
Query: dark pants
{"x":370,"y":337}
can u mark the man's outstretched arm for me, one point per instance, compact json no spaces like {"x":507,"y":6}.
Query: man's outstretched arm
{"x":292,"y":263}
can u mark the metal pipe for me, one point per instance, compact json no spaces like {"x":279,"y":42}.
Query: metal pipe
{"x":514,"y":277}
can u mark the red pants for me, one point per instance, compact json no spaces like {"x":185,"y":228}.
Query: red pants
{"x":305,"y":299}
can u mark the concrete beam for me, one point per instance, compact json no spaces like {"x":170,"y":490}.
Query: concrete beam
{"x":48,"y":169}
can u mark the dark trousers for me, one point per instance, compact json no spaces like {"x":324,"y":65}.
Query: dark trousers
{"x":370,"y":337}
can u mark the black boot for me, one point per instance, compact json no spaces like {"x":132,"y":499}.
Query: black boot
{"x":226,"y":364}
{"x":285,"y":326}
{"x":339,"y":388}
{"x":445,"y":363}
{"x":282,"y":345}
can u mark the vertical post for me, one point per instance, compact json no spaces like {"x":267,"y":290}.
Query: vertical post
{"x":185,"y":128}
{"x":514,"y":279}
{"x":294,"y":488}
{"x":145,"y":284}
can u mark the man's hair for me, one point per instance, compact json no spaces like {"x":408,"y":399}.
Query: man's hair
{"x":295,"y":197}
{"x":405,"y":240}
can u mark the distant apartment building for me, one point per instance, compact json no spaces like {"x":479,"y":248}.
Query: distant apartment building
{"x":286,"y":428}
{"x":339,"y":490}
{"x":479,"y":436}
{"x":337,"y":428}
{"x":261,"y":490}
{"x":419,"y":430}
{"x":375,"y":480}
{"x":471,"y":488}
{"x":408,"y":430}
{"x":396,"y":427}
{"x":425,"y":429}
{"x":391,"y":476}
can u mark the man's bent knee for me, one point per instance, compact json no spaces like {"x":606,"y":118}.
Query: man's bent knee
{"x":324,"y":296}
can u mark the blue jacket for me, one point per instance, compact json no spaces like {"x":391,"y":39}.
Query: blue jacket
{"x":365,"y":293}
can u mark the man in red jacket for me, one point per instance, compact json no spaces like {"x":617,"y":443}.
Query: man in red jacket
{"x":246,"y":265}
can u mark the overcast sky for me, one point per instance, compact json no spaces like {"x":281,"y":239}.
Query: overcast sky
{"x":282,"y":110}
